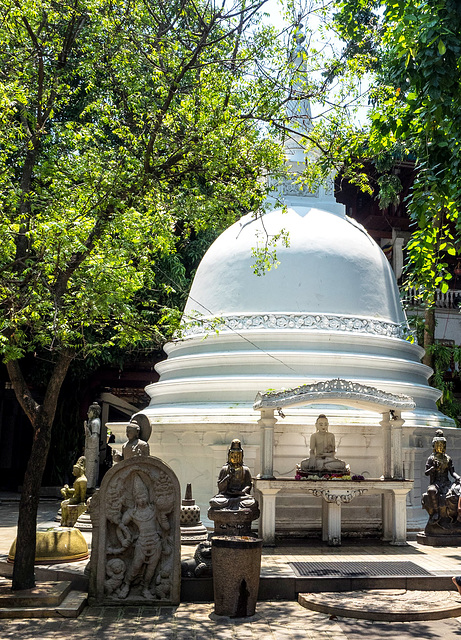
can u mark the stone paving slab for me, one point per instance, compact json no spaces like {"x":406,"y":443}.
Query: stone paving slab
{"x":273,"y":621}
{"x":394,"y":605}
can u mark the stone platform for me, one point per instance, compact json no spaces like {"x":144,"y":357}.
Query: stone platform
{"x":393,"y":605}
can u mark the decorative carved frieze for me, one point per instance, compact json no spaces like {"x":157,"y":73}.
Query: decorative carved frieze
{"x":202,"y":325}
{"x":337,"y":388}
{"x":330,"y":495}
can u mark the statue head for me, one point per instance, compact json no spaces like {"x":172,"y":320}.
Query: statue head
{"x":132,"y":430}
{"x":94,"y":410}
{"x":79,"y":467}
{"x":322,"y":423}
{"x":439,"y":442}
{"x":235,"y":453}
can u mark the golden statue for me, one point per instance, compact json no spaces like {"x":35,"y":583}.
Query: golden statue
{"x":74,"y":503}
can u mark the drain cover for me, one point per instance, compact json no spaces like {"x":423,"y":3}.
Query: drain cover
{"x":357,"y":569}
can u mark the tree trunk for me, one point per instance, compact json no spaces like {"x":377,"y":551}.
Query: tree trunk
{"x":429,"y":335}
{"x":23,"y":572}
{"x":41,"y":418}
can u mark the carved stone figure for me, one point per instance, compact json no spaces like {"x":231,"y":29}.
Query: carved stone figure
{"x":442,"y":496}
{"x":233,"y":509}
{"x":92,"y":428}
{"x":74,"y":498}
{"x":322,"y":452}
{"x":134,"y":446}
{"x":136,"y":538}
{"x":200,"y":565}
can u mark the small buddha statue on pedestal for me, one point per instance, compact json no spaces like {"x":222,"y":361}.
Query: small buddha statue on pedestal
{"x":322,"y":451}
{"x":74,"y":503}
{"x":233,"y":509}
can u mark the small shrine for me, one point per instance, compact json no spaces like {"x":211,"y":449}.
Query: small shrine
{"x":325,"y":476}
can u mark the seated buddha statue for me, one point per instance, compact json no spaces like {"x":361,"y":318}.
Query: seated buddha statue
{"x":322,"y":452}
{"x":74,"y":503}
{"x":234,"y":508}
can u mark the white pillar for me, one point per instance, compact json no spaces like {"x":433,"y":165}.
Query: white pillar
{"x":266,"y":424}
{"x":324,"y":521}
{"x":399,"y":517}
{"x":397,"y":449}
{"x":267,"y":517}
{"x":387,"y":448}
{"x":333,"y":523}
{"x":387,"y":502}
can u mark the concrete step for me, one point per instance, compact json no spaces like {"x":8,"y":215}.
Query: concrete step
{"x":46,"y":600}
{"x":70,"y":607}
{"x":44,"y":594}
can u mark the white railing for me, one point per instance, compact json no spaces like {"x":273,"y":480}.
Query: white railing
{"x":449,"y":300}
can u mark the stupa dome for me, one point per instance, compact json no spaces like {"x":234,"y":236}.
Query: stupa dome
{"x":331,"y":309}
{"x":329,"y":266}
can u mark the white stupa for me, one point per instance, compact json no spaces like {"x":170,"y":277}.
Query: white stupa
{"x":331,"y":309}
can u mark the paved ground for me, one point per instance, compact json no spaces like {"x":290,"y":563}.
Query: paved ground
{"x":273,"y":620}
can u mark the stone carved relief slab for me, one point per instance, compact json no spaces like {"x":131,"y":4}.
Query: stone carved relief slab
{"x":135,"y":556}
{"x":293,"y":321}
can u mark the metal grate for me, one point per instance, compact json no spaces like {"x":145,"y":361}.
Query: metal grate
{"x":356,"y":569}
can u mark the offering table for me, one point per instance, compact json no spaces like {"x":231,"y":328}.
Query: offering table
{"x":334,"y":493}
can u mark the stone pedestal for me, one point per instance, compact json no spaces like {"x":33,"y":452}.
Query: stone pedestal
{"x":438,"y":541}
{"x":230,"y":522}
{"x":236,"y":569}
{"x":74,"y":512}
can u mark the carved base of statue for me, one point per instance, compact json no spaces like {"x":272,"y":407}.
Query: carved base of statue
{"x":232,"y":522}
{"x":318,"y":467}
{"x":70,"y":513}
{"x":84,"y":522}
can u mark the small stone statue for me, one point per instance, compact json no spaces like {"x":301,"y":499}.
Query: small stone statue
{"x":442,"y":496}
{"x":74,"y":504}
{"x":92,"y":428}
{"x":200,"y":565}
{"x":322,"y":458}
{"x":134,"y":446}
{"x":233,"y":508}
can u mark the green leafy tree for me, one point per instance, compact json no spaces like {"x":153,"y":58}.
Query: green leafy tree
{"x":124,"y":128}
{"x":412,"y":48}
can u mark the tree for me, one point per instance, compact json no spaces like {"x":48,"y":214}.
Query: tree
{"x":410,"y":53}
{"x":124,"y":125}
{"x":413,"y":49}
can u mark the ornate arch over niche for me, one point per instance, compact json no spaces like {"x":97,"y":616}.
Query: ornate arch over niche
{"x":334,"y":391}
{"x":337,"y":391}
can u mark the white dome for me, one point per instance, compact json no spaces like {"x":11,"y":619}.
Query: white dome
{"x":331,"y":309}
{"x":331,"y":266}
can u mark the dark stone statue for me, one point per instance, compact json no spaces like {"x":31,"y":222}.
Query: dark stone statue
{"x":442,"y":498}
{"x":233,"y":509}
